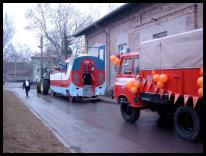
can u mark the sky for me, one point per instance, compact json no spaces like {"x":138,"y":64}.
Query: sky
{"x":17,"y":12}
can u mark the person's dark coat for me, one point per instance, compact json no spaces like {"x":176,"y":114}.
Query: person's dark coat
{"x":26,"y":87}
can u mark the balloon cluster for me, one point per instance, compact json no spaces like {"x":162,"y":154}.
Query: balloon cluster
{"x":160,"y":80}
{"x":133,"y":86}
{"x":115,"y":60}
{"x":200,"y":85}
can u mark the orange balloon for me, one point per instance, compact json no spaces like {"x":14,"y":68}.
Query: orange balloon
{"x":156,"y":77}
{"x":200,"y":92}
{"x":133,"y":90}
{"x":136,"y":84}
{"x":117,"y":62}
{"x":163,"y":78}
{"x":200,"y":82}
{"x":160,"y":84}
{"x":129,"y":85}
{"x":112,"y":58}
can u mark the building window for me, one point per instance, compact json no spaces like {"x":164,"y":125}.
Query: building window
{"x":37,"y":70}
{"x":122,"y":48}
{"x":159,"y":35}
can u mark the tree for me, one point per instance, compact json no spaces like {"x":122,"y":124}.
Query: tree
{"x":111,"y":7}
{"x":8,"y":30}
{"x":57,"y":23}
{"x":23,"y":54}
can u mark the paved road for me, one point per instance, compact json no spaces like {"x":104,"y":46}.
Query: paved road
{"x":99,"y":127}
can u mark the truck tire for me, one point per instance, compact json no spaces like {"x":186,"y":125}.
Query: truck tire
{"x":187,"y":123}
{"x":38,"y":88}
{"x":44,"y":87}
{"x":129,"y":114}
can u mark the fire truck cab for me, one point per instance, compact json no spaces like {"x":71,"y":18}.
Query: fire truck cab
{"x":166,"y":76}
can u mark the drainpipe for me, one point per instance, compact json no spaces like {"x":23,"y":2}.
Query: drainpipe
{"x":41,"y":64}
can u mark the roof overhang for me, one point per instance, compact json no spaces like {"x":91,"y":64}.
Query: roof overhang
{"x":119,"y":10}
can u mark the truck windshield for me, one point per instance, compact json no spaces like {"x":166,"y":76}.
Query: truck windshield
{"x":126,"y":66}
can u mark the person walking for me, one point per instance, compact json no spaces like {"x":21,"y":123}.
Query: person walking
{"x":26,"y":86}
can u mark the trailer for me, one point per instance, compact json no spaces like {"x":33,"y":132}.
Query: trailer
{"x":78,"y":77}
{"x":165,"y":76}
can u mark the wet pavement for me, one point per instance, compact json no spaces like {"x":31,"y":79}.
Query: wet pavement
{"x":99,"y":127}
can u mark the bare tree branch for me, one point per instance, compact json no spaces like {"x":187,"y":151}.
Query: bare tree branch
{"x":8,"y":30}
{"x":57,"y":23}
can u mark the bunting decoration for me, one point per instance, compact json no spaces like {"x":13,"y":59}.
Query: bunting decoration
{"x":143,"y":82}
{"x":176,"y":97}
{"x":169,"y":93}
{"x":161,"y":92}
{"x":149,"y":84}
{"x":195,"y":99}
{"x":156,"y":90}
{"x":186,"y":97}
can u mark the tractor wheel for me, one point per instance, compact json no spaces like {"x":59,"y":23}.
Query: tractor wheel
{"x":53,"y":93}
{"x":129,"y":114}
{"x":38,"y":88}
{"x":71,"y":99}
{"x":44,"y":87}
{"x":187,"y":123}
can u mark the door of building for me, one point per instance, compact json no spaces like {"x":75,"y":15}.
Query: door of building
{"x":102,"y":56}
{"x":101,"y":52}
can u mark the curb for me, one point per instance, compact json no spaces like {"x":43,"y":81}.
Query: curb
{"x":108,"y":100}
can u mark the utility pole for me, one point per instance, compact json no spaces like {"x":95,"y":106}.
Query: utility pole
{"x":15,"y":67}
{"x":41,"y":46}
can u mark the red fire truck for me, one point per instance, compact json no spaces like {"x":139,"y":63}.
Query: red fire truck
{"x":166,"y":76}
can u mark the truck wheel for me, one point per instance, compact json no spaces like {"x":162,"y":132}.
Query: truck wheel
{"x":129,"y":114}
{"x":187,"y":123}
{"x":38,"y":88}
{"x":44,"y":87}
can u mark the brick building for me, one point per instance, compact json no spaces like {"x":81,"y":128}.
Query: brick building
{"x":124,"y":28}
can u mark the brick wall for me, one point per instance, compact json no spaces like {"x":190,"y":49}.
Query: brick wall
{"x":139,"y":19}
